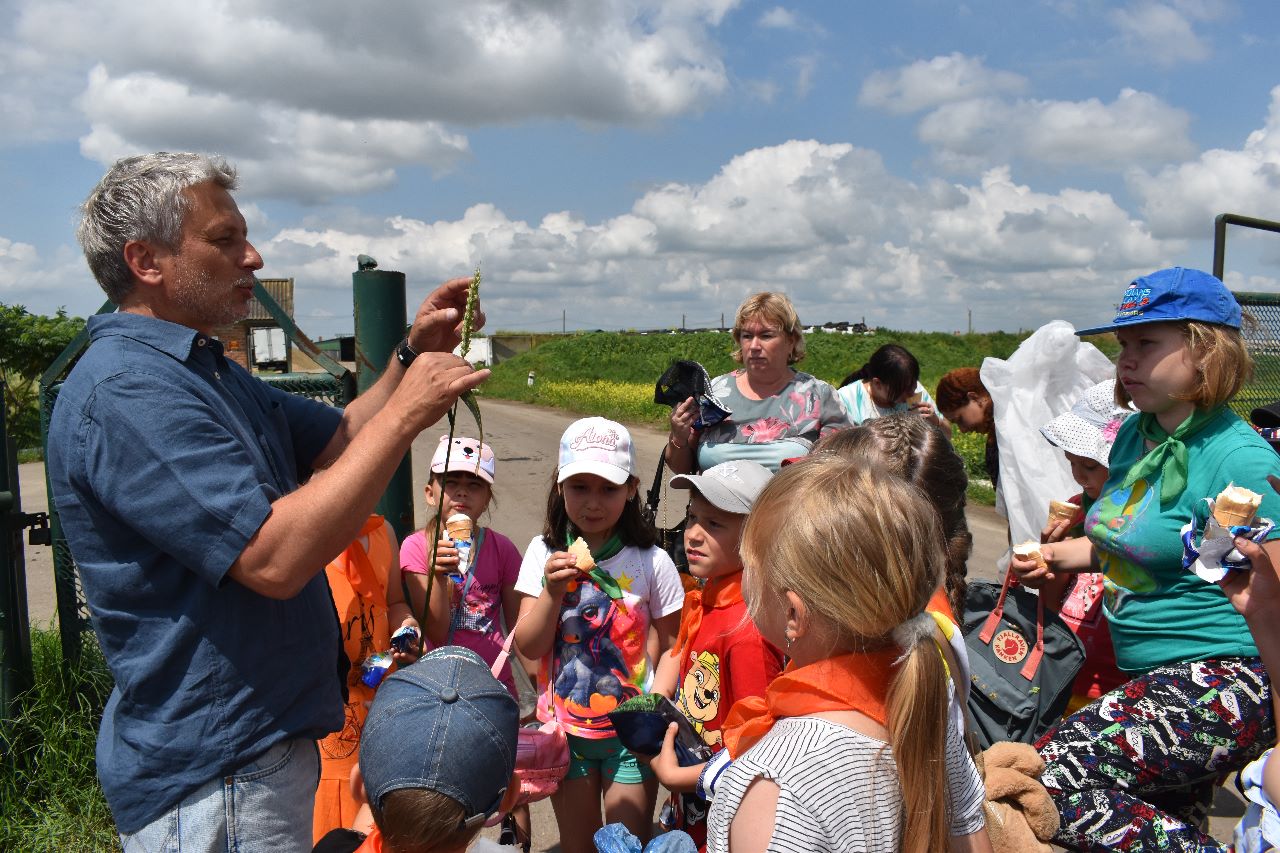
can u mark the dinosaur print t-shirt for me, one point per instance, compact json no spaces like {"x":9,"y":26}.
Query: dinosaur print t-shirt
{"x":600,"y":654}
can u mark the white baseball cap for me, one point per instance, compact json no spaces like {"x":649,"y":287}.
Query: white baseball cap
{"x":597,"y":446}
{"x":731,"y":486}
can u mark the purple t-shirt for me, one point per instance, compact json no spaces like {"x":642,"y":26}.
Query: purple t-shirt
{"x":477,"y":621}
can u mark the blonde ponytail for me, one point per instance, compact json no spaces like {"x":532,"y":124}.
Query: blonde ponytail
{"x":918,"y":736}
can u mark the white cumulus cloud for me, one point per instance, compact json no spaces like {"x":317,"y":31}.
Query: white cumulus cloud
{"x":306,"y":90}
{"x":826,"y":223}
{"x":1181,"y":200}
{"x":930,"y":83}
{"x":1135,"y":128}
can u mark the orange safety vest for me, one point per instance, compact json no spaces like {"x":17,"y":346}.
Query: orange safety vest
{"x":358,"y":580}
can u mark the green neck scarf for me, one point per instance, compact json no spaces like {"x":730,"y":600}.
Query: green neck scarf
{"x":1169,"y":456}
{"x":612,"y":546}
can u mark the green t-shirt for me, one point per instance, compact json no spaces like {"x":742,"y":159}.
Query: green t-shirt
{"x":1158,"y":612}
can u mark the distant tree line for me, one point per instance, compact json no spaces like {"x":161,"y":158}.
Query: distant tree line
{"x":28,"y":344}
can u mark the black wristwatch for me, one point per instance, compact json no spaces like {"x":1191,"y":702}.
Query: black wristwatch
{"x":405,"y":354}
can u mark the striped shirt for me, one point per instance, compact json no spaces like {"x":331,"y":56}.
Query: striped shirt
{"x":838,"y":789}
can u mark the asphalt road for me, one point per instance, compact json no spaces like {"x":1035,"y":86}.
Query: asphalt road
{"x":525,"y":440}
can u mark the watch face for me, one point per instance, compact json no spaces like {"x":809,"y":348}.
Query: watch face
{"x":405,"y":354}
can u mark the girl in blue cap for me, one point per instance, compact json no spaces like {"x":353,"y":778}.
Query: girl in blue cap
{"x":1135,"y":769}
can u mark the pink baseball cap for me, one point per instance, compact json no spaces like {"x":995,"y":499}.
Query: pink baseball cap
{"x":466,"y":454}
{"x":597,"y":446}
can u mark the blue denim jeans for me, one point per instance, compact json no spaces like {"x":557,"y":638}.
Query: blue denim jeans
{"x":264,"y":805}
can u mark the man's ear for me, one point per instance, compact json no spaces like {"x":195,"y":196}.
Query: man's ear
{"x":142,"y":259}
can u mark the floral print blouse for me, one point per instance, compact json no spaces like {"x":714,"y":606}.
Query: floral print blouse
{"x":773,"y":429}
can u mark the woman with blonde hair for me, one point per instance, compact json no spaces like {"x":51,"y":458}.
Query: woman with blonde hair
{"x":1135,"y":769}
{"x":849,"y":748}
{"x":777,"y":412}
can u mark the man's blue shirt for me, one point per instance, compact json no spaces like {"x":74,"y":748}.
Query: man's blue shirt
{"x":164,"y":459}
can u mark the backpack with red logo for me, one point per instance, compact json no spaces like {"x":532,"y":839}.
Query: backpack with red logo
{"x":1023,"y":659}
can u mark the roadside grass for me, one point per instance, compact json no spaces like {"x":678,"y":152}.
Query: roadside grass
{"x":49,"y":794}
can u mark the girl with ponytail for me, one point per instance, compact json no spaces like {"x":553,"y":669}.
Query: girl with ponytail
{"x":850,"y":748}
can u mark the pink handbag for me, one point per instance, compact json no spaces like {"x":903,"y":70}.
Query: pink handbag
{"x":542,"y":754}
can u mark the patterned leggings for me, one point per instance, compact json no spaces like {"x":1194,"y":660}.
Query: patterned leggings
{"x":1135,"y":769}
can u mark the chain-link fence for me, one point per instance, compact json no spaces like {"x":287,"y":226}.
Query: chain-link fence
{"x":1262,"y":336}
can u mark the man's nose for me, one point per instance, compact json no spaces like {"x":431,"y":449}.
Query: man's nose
{"x":252,"y":259}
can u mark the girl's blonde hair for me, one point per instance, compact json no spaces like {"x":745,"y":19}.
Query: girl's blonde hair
{"x":1222,"y":363}
{"x":863,"y":550}
{"x":773,"y":309}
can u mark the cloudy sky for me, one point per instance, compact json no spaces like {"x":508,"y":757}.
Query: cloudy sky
{"x":636,"y":162}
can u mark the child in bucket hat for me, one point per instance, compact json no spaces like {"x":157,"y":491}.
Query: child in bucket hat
{"x":473,"y":593}
{"x":1085,"y":433}
{"x":436,"y":756}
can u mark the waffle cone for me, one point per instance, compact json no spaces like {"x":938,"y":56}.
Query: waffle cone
{"x":1231,"y":514}
{"x":1031,"y":550}
{"x":458,"y":526}
{"x":1064,"y":510}
{"x":1236,"y":506}
{"x":582,"y":551}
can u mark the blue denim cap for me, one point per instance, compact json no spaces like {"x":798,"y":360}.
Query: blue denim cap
{"x":1174,"y":295}
{"x":444,"y":724}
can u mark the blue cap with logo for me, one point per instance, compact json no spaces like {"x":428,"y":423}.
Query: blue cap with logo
{"x":1174,"y":295}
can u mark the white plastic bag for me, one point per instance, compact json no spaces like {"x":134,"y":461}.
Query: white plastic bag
{"x":1041,"y":380}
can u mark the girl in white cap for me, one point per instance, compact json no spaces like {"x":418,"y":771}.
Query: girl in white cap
{"x":588,"y":616}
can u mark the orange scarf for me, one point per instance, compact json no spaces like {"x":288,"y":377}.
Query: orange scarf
{"x":355,"y":565}
{"x":939,"y":602}
{"x":858,"y":681}
{"x":719,"y":592}
{"x":372,"y":842}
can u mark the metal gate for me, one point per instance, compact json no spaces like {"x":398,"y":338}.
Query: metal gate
{"x":15,"y":635}
{"x":1263,"y":335}
{"x":336,"y":386}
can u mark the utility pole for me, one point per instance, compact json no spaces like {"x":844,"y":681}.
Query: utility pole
{"x":563,"y":327}
{"x":682,"y":322}
{"x":722,"y":321}
{"x":971,"y":321}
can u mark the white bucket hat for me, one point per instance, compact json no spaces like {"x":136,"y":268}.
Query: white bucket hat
{"x":1089,"y":428}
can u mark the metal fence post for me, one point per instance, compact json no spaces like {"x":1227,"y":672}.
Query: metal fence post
{"x":380,"y":324}
{"x":15,"y":633}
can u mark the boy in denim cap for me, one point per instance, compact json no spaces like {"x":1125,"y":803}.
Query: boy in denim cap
{"x":436,"y":757}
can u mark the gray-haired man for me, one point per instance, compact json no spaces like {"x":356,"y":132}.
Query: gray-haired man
{"x":183,"y":486}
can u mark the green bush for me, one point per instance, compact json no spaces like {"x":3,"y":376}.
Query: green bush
{"x":49,"y":794}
